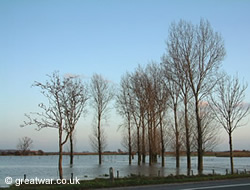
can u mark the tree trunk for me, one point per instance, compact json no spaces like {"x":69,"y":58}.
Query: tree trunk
{"x":199,"y":130}
{"x":143,"y":143}
{"x":71,"y":149}
{"x":138,"y":146}
{"x":177,"y":147}
{"x":162,"y":145}
{"x":231,"y":152}
{"x":188,"y":152}
{"x":150,"y":141}
{"x":177,"y":151}
{"x":187,"y":138}
{"x":163,"y":156}
{"x":60,"y":154}
{"x":154,"y":149}
{"x":99,"y":140}
{"x":129,"y":143}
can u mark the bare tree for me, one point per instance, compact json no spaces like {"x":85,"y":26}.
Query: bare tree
{"x":174,"y":93}
{"x":123,"y":105}
{"x":229,"y":107}
{"x":25,"y":144}
{"x":176,"y":72}
{"x":162,"y":96}
{"x":200,"y":51}
{"x":102,"y":93}
{"x":52,"y":114}
{"x":137,"y":105}
{"x":74,"y":101}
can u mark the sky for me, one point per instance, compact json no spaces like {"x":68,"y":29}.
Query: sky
{"x":108,"y":37}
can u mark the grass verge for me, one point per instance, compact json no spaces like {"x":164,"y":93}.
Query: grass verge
{"x":130,"y":181}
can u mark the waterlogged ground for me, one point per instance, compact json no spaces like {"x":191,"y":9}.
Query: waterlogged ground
{"x":86,"y":166}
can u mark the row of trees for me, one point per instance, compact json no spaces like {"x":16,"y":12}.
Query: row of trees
{"x":189,"y":83}
{"x":183,"y":98}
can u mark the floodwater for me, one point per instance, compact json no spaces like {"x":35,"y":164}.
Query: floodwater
{"x":86,"y":166}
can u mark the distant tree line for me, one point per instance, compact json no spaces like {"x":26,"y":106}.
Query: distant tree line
{"x":177,"y":104}
{"x":20,"y":153}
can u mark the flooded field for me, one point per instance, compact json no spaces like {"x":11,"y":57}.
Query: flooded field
{"x":86,"y":166}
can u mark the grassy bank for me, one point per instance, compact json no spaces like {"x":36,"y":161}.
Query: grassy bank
{"x":131,"y":181}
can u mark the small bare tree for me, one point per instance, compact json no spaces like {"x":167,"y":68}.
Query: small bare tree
{"x":137,"y":107}
{"x":102,"y":93}
{"x":229,"y":108}
{"x":24,"y":144}
{"x":174,"y":93}
{"x":52,"y":114}
{"x":162,"y":96}
{"x":123,"y":106}
{"x":176,"y":71}
{"x":74,"y":97}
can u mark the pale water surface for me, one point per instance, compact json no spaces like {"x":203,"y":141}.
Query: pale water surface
{"x":86,"y":166}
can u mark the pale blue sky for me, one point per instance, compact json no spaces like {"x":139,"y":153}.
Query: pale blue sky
{"x":103,"y":36}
